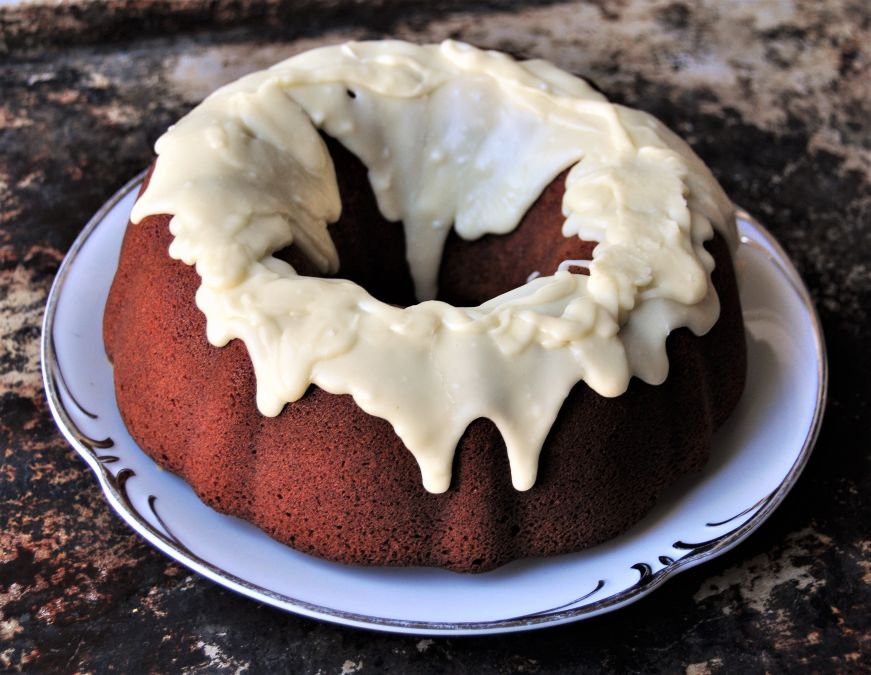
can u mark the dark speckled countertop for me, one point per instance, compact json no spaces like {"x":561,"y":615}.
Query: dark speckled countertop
{"x":776,"y":96}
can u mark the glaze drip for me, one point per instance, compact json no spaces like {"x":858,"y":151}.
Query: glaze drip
{"x":452,"y":136}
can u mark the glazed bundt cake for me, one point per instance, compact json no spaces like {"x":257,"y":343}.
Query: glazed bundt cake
{"x":426,"y":305}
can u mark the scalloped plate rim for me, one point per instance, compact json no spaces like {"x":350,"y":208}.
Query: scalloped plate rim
{"x":113,"y":487}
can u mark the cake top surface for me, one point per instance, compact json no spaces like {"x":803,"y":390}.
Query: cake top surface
{"x":452,"y":136}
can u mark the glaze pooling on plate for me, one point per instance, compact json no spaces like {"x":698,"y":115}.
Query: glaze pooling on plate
{"x":451,"y":136}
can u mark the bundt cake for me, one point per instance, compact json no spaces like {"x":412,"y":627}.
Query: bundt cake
{"x":426,"y":305}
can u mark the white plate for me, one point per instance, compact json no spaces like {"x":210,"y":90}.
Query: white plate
{"x":756,"y":459}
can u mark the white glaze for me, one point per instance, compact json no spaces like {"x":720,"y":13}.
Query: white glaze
{"x":450,"y":135}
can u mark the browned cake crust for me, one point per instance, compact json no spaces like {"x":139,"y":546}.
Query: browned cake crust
{"x":331,"y":480}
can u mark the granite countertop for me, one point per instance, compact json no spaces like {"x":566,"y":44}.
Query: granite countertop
{"x":775,"y":96}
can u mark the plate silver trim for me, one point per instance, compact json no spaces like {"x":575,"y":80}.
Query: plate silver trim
{"x":114,"y":485}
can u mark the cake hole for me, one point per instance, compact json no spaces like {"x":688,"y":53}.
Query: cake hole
{"x":372,"y":249}
{"x":351,"y":93}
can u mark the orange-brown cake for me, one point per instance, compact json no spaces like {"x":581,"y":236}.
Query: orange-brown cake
{"x":583,"y":343}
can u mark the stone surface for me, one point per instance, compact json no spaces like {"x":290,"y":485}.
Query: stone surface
{"x":776,"y":96}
